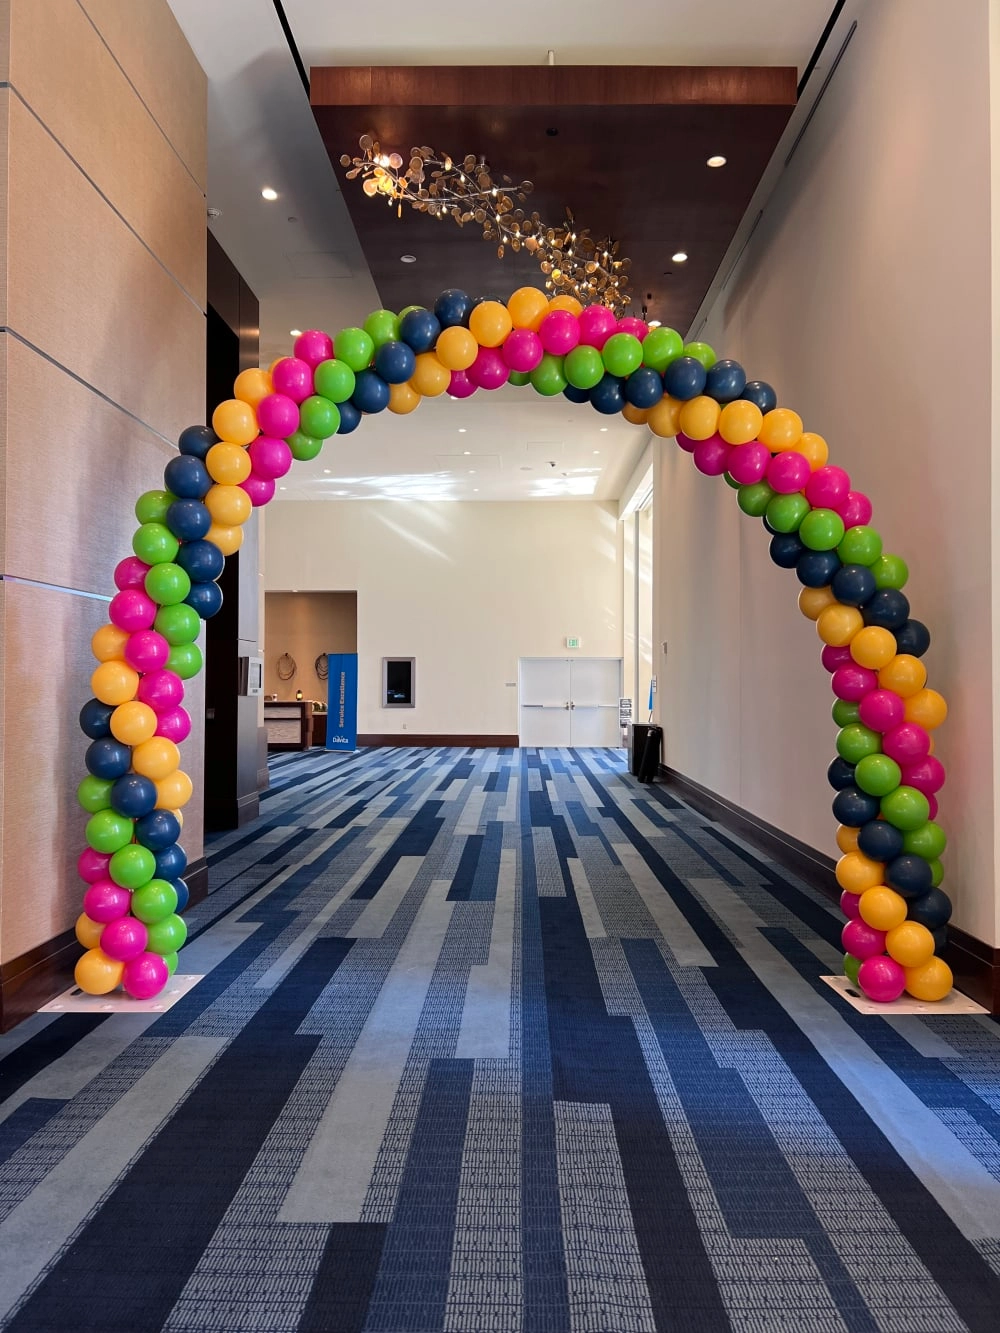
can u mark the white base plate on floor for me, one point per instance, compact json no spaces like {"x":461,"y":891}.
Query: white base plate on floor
{"x":955,"y":1003}
{"x":76,"y":1001}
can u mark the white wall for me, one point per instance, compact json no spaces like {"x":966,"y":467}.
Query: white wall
{"x":465,"y":588}
{"x":864,"y":297}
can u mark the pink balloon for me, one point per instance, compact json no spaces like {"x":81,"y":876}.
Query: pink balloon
{"x":293,"y":377}
{"x":161,"y":690}
{"x":631,"y":324}
{"x":92,"y":866}
{"x":559,"y":332}
{"x":106,"y":901}
{"x":849,"y":905}
{"x":460,"y":385}
{"x":906,"y":743}
{"x":145,"y":976}
{"x":685,"y":442}
{"x":175,"y":724}
{"x":853,"y":682}
{"x":278,"y":415}
{"x":748,"y":463}
{"x":926,"y":774}
{"x":711,"y":456}
{"x":881,"y":710}
{"x":131,"y":573}
{"x":788,"y":472}
{"x":522,"y":350}
{"x":882,"y":979}
{"x":856,"y":509}
{"x":835,"y":658}
{"x":827,"y":487}
{"x":132,"y":609}
{"x":597,"y":324}
{"x":146,"y":650}
{"x":270,"y":457}
{"x":260,"y":489}
{"x":490,"y":370}
{"x":932,"y":806}
{"x":314,"y":346}
{"x":124,"y":938}
{"x":860,"y":939}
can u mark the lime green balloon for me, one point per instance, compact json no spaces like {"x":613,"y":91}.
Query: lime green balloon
{"x":304,"y":446}
{"x":860,"y":546}
{"x":856,"y":741}
{"x":701,"y":352}
{"x":622,"y":354}
{"x":877,"y":774}
{"x":522,"y":377}
{"x":406,"y":309}
{"x":171,"y":961}
{"x":132,"y":866}
{"x":334,"y":380}
{"x":583,"y":367}
{"x":905,"y":808}
{"x":821,"y":530}
{"x":890,"y":571}
{"x":354,"y":347}
{"x":786,"y":512}
{"x":95,"y":793}
{"x":928,"y":841}
{"x":178,"y":624}
{"x":152,"y":506}
{"x":382,"y":326}
{"x":155,"y":543}
{"x":937,"y":872}
{"x":185,"y":659}
{"x":318,"y":417}
{"x":154,"y":902}
{"x":107,"y":831}
{"x":660,"y":347}
{"x":851,"y":965}
{"x":168,"y":584}
{"x":754,"y":498}
{"x":167,"y":935}
{"x":844,"y":712}
{"x":547,"y":378}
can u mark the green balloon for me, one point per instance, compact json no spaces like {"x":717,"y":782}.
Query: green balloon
{"x":860,"y":546}
{"x":355,"y":347}
{"x":851,"y":965}
{"x":171,"y":961}
{"x":583,"y":367}
{"x":107,"y":831}
{"x":821,"y":530}
{"x":522,"y":377}
{"x":937,"y":872}
{"x":95,"y":793}
{"x":318,"y":417}
{"x":152,"y":506}
{"x":906,"y":808}
{"x":890,"y":571}
{"x":154,"y":902}
{"x":701,"y":352}
{"x":844,"y":712}
{"x":754,"y":498}
{"x":304,"y":446}
{"x":382,"y":326}
{"x":547,"y":378}
{"x":155,"y":543}
{"x":334,"y":380}
{"x":660,"y":347}
{"x":178,"y":624}
{"x":786,"y":512}
{"x":622,"y":354}
{"x":406,"y":309}
{"x":185,"y":659}
{"x":877,"y":774}
{"x":167,"y":935}
{"x":132,"y":866}
{"x":928,"y":841}
{"x":856,"y":742}
{"x":168,"y":584}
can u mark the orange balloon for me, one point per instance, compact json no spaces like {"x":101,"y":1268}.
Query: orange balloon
{"x":456,"y":348}
{"x":228,"y":505}
{"x":857,"y":872}
{"x":638,"y":416}
{"x":926,"y":707}
{"x":114,"y":682}
{"x":403,"y":399}
{"x":931,"y":981}
{"x":156,"y":758}
{"x":838,"y":624}
{"x":528,"y":307}
{"x":740,"y":421}
{"x":910,"y":944}
{"x":814,"y":448}
{"x":109,"y":642}
{"x":96,"y":973}
{"x":252,"y":385}
{"x":133,"y":723}
{"x":235,"y":421}
{"x":88,"y":933}
{"x":664,"y":417}
{"x":781,"y":429}
{"x":430,"y":378}
{"x":814,"y":601}
{"x":179,"y":816}
{"x":489,"y":323}
{"x":847,"y":838}
{"x":276,"y":361}
{"x":873,"y":647}
{"x":699,"y":417}
{"x":173,"y":791}
{"x":227,"y":539}
{"x":904,"y":675}
{"x":569,"y":303}
{"x":228,"y":464}
{"x":882,"y":908}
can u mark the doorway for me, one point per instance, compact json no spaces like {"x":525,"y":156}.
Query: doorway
{"x":569,"y":701}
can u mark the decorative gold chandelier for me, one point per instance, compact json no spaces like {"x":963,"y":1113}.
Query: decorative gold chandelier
{"x":574,"y":263}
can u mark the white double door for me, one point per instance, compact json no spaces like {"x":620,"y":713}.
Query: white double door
{"x":569,"y":700}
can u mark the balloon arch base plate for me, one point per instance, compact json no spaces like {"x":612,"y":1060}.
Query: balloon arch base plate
{"x":955,"y":1003}
{"x":76,"y":1001}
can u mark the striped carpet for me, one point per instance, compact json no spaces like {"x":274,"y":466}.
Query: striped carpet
{"x":499,"y":1040}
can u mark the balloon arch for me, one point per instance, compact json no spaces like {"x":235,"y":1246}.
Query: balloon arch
{"x":885,"y":775}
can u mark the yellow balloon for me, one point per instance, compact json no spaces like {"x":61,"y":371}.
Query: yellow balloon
{"x":740,"y":421}
{"x":430,"y":378}
{"x":228,"y":505}
{"x":814,"y":601}
{"x":114,"y":682}
{"x":228,"y":464}
{"x":88,"y":933}
{"x":456,"y":348}
{"x":904,"y":675}
{"x":227,"y":539}
{"x":403,"y":398}
{"x":910,"y":943}
{"x":528,"y":307}
{"x":179,"y":816}
{"x":882,"y":908}
{"x":253,"y":385}
{"x":781,"y":429}
{"x":156,"y":758}
{"x":873,"y":647}
{"x":926,"y":707}
{"x":931,"y":981}
{"x":837,"y":625}
{"x":133,"y":723}
{"x":857,"y":872}
{"x":96,"y":973}
{"x":489,"y":323}
{"x":638,"y":416}
{"x":664,"y":418}
{"x":814,"y":448}
{"x":699,"y":417}
{"x":569,"y":303}
{"x":235,"y":421}
{"x":847,"y":838}
{"x":109,"y":642}
{"x":173,"y":791}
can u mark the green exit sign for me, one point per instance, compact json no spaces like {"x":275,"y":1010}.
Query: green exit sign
{"x":573,"y":643}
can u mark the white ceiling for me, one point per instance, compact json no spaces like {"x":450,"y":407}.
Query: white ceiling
{"x":301,"y":255}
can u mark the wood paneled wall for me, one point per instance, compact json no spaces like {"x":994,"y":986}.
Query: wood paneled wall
{"x":304,"y":625}
{"x":102,"y":363}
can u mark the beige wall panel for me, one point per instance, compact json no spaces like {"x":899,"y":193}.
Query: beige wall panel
{"x":61,"y":67}
{"x":150,"y":47}
{"x":304,"y":625}
{"x":86,"y":291}
{"x":4,"y":39}
{"x":4,"y":211}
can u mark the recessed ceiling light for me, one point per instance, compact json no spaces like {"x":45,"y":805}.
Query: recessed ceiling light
{"x":282,"y":488}
{"x":268,"y":193}
{"x":597,"y":451}
{"x":472,"y":471}
{"x":475,"y":490}
{"x":407,"y":259}
{"x":327,"y":471}
{"x":654,"y":323}
{"x":717,"y":161}
{"x":461,"y":430}
{"x":604,"y":430}
{"x":466,"y":451}
{"x":296,"y":333}
{"x":680,"y":257}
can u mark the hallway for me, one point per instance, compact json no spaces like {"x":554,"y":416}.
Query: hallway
{"x":499,"y":1040}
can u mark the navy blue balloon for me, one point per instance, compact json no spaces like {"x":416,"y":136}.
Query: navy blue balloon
{"x":158,"y":830}
{"x":888,"y":607}
{"x":187,"y":477}
{"x":480,"y":299}
{"x":840,"y":774}
{"x":940,"y":938}
{"x":395,"y":362}
{"x":726,"y":381}
{"x":854,"y":807}
{"x":684,"y":378}
{"x":932,"y":909}
{"x":108,"y":758}
{"x":452,"y":307}
{"x":171,"y":862}
{"x":761,"y":393}
{"x":909,"y":875}
{"x":188,"y":520}
{"x":202,"y":561}
{"x":195,"y":441}
{"x":183,"y":896}
{"x":206,"y":599}
{"x":95,"y":719}
{"x":913,"y":637}
{"x":853,"y":584}
{"x":880,"y":840}
{"x":644,"y":387}
{"x":133,"y":795}
{"x":576,"y":395}
{"x":608,"y":395}
{"x":371,"y":393}
{"x":419,"y":329}
{"x":817,"y":569}
{"x":350,"y":418}
{"x":786,"y":549}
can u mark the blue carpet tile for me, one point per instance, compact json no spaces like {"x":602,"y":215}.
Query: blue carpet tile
{"x":499,"y":1041}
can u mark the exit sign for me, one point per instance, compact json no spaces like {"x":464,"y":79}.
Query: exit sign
{"x":573,"y":643}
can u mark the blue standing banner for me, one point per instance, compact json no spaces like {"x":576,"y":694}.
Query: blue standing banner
{"x":342,"y":686}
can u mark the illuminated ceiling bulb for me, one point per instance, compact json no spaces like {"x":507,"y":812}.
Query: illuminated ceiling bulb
{"x":679,"y":258}
{"x":268,"y":193}
{"x":716,"y":161}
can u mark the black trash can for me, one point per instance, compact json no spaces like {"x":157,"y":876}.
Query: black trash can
{"x":645,"y":743}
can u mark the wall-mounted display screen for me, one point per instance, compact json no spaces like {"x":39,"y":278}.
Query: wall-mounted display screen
{"x":398,"y":682}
